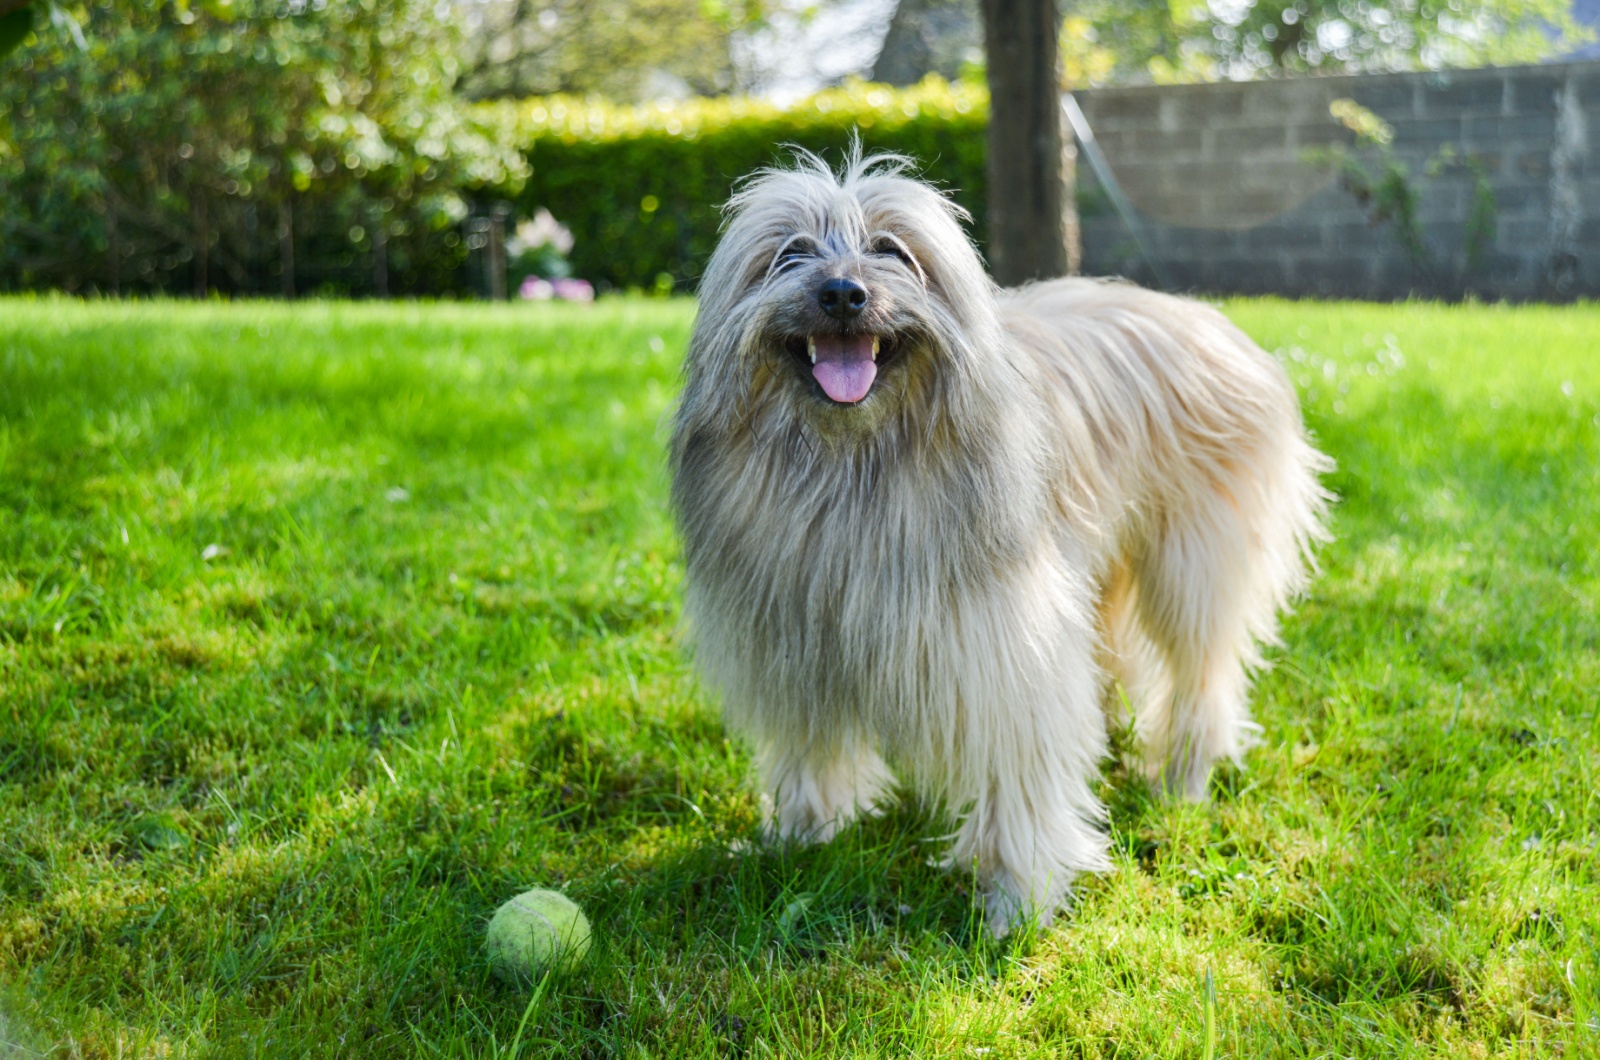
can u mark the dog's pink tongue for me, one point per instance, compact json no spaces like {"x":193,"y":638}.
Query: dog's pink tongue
{"x":844,"y":366}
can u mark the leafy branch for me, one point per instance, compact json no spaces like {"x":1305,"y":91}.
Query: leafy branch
{"x":1390,"y":195}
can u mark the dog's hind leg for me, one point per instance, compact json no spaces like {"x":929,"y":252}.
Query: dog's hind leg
{"x":1199,"y":603}
{"x":1211,"y":579}
{"x":1134,"y":664}
{"x":814,"y":791}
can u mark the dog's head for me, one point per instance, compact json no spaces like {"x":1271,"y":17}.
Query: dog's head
{"x":837,"y":301}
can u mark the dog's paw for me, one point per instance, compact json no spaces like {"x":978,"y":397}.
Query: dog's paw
{"x":1182,"y":782}
{"x":809,"y":814}
{"x":1009,"y":906}
{"x":1006,"y":912}
{"x":799,"y":829}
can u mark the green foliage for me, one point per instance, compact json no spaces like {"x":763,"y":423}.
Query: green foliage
{"x":314,"y":653}
{"x":1386,"y":188}
{"x":1168,"y":41}
{"x":641,"y":187}
{"x":619,"y":49}
{"x":164,"y":154}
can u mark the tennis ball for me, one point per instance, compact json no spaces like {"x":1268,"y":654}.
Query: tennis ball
{"x":535,"y":931}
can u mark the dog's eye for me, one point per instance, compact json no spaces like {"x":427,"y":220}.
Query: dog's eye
{"x":893,"y":248}
{"x":796,"y":252}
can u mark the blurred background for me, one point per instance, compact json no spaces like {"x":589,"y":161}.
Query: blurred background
{"x":560,"y":148}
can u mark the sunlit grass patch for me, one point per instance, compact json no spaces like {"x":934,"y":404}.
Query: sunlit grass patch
{"x":326,"y":628}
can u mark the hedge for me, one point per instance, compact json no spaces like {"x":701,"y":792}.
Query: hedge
{"x":642,"y":187}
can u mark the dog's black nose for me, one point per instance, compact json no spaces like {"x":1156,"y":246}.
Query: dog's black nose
{"x":842,"y":298}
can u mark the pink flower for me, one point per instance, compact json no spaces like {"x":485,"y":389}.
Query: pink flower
{"x":573,"y":290}
{"x":535,"y":289}
{"x":542,"y":231}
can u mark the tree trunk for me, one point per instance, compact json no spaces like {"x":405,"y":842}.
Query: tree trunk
{"x":1070,"y":229}
{"x":1027,"y":233}
{"x":497,"y":254}
{"x":928,"y":37}
{"x":380,"y":259}
{"x":286,"y":247}
{"x":202,"y":250}
{"x":113,"y":251}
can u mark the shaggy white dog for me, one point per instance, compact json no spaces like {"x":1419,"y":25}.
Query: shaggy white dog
{"x":925,"y":518}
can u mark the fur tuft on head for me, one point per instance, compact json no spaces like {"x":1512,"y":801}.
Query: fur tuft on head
{"x":810,"y":174}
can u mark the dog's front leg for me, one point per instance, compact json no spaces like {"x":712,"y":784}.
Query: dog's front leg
{"x":1030,"y":752}
{"x":813,"y":791}
{"x":1027,"y":839}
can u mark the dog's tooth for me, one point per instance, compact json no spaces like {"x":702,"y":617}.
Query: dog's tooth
{"x":811,"y":348}
{"x":874,"y":347}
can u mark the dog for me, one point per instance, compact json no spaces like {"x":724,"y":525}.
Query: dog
{"x":926,"y":521}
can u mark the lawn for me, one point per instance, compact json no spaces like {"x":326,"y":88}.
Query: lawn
{"x":326,"y":628}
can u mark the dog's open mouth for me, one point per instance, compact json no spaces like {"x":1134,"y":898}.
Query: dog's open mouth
{"x":844,"y":366}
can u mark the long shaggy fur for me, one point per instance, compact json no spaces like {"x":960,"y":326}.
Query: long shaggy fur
{"x":1043,"y":487}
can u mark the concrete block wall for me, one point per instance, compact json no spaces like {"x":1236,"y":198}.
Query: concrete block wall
{"x":1231,"y":203}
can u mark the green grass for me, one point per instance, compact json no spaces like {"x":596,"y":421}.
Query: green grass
{"x":325,"y":629}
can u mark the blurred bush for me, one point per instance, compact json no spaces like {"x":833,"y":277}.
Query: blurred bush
{"x":323,"y":147}
{"x":641,"y":187}
{"x":197,"y":145}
